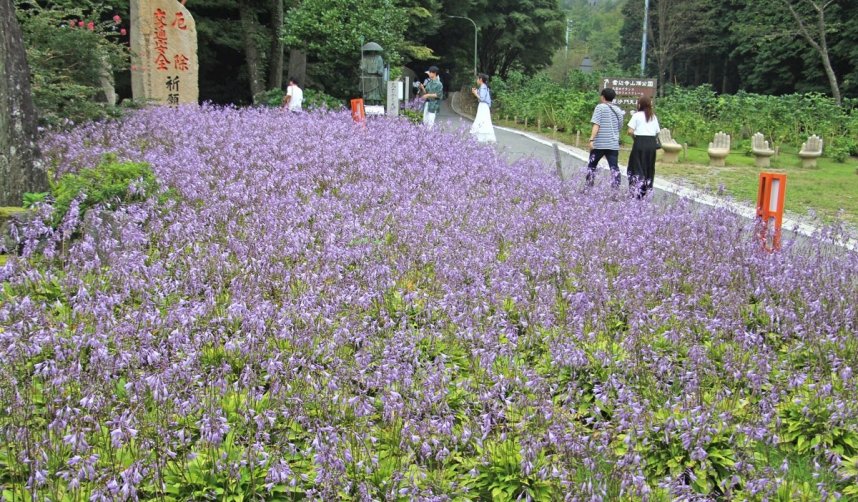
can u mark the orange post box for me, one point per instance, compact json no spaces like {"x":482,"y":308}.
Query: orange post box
{"x":770,"y":209}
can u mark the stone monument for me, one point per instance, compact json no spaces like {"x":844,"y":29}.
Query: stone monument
{"x":372,"y":73}
{"x":164,"y":64}
{"x":394,"y":94}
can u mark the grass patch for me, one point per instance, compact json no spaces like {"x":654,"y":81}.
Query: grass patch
{"x":830,"y":190}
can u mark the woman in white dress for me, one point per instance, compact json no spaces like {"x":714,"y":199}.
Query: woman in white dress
{"x":644,"y":127}
{"x":482,"y":128}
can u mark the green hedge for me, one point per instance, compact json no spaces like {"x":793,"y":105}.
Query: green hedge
{"x":693,"y":115}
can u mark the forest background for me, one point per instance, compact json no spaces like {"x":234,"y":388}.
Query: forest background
{"x":250,"y":46}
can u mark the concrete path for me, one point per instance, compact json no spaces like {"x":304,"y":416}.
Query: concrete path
{"x":515,"y":144}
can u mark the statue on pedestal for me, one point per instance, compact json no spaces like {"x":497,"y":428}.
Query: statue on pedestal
{"x":372,"y":73}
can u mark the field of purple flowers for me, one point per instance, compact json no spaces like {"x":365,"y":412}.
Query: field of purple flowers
{"x":318,"y":310}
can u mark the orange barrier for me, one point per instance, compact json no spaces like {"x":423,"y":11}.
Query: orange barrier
{"x":770,"y":209}
{"x":358,"y":110}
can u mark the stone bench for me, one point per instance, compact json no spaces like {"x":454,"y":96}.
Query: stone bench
{"x":719,"y":148}
{"x":761,"y":151}
{"x":810,"y":151}
{"x":669,"y":146}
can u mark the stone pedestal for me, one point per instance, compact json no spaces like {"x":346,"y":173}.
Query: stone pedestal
{"x":164,"y":63}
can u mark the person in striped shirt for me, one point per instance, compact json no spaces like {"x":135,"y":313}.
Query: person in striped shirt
{"x":604,"y":141}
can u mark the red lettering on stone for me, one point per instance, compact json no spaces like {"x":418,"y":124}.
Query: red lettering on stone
{"x":161,"y":61}
{"x":179,"y":22}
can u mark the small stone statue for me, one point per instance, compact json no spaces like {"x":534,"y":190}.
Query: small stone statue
{"x":372,"y":73}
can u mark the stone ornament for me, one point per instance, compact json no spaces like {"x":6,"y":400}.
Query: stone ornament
{"x":719,"y":148}
{"x":810,"y":151}
{"x":761,"y":151}
{"x":669,"y":146}
{"x":164,"y":63}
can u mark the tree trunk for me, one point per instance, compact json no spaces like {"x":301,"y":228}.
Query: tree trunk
{"x":298,"y":66}
{"x":829,"y":72}
{"x":821,"y":45}
{"x":275,"y":70}
{"x":822,"y":48}
{"x":251,"y":52}
{"x":20,"y":171}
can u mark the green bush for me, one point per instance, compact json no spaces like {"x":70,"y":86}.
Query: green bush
{"x":110,"y":183}
{"x":539,"y":98}
{"x":413,"y":115}
{"x":694,"y":115}
{"x":313,"y":99}
{"x":67,"y":61}
{"x":271,"y":98}
{"x":317,"y":99}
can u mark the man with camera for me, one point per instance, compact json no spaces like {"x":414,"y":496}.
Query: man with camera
{"x":433,"y":92}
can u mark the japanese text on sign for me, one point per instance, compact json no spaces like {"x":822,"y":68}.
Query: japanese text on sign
{"x":629,"y":89}
{"x":162,"y":62}
{"x":173,"y":90}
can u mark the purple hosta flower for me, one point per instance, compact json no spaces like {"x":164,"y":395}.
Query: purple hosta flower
{"x":268,"y":276}
{"x":77,"y":441}
{"x":121,"y":430}
{"x":213,"y":428}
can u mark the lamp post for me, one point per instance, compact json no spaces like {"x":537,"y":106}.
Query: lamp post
{"x":643,"y":41}
{"x":475,"y":38}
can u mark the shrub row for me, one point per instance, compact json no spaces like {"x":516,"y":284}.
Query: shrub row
{"x":693,"y":115}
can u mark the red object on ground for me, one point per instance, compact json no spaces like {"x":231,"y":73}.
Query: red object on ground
{"x":358,"y":110}
{"x":770,"y":209}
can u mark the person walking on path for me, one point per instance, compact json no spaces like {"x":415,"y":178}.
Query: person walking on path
{"x":604,"y":141}
{"x":294,"y":96}
{"x":644,"y":127}
{"x":482,"y":128}
{"x":433,"y":93}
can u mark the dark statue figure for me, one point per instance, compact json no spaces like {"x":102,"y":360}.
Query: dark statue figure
{"x":372,"y":73}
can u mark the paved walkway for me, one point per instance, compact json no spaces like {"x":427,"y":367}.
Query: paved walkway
{"x":515,"y":144}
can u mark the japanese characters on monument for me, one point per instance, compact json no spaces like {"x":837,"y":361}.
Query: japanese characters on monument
{"x":629,"y":90}
{"x":164,"y":65}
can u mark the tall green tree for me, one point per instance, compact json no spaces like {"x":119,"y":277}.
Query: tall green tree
{"x":72,"y":51}
{"x":513,"y":34}
{"x":332,"y":33}
{"x":518,"y":34}
{"x":788,"y":42}
{"x":813,"y":21}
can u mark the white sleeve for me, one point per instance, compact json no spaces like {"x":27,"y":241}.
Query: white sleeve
{"x":289,"y":91}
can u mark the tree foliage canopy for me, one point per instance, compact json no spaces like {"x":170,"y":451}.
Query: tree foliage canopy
{"x":765,"y":46}
{"x":333,"y":31}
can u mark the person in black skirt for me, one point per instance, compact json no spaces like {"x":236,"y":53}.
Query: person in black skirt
{"x":644,"y":127}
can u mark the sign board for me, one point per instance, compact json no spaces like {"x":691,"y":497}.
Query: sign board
{"x":629,"y":89}
{"x":164,"y":64}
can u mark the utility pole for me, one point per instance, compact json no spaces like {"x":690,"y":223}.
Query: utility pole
{"x":643,"y":41}
{"x":568,"y":29}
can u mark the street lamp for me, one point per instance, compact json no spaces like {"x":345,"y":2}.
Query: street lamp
{"x":643,"y":41}
{"x":475,"y":38}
